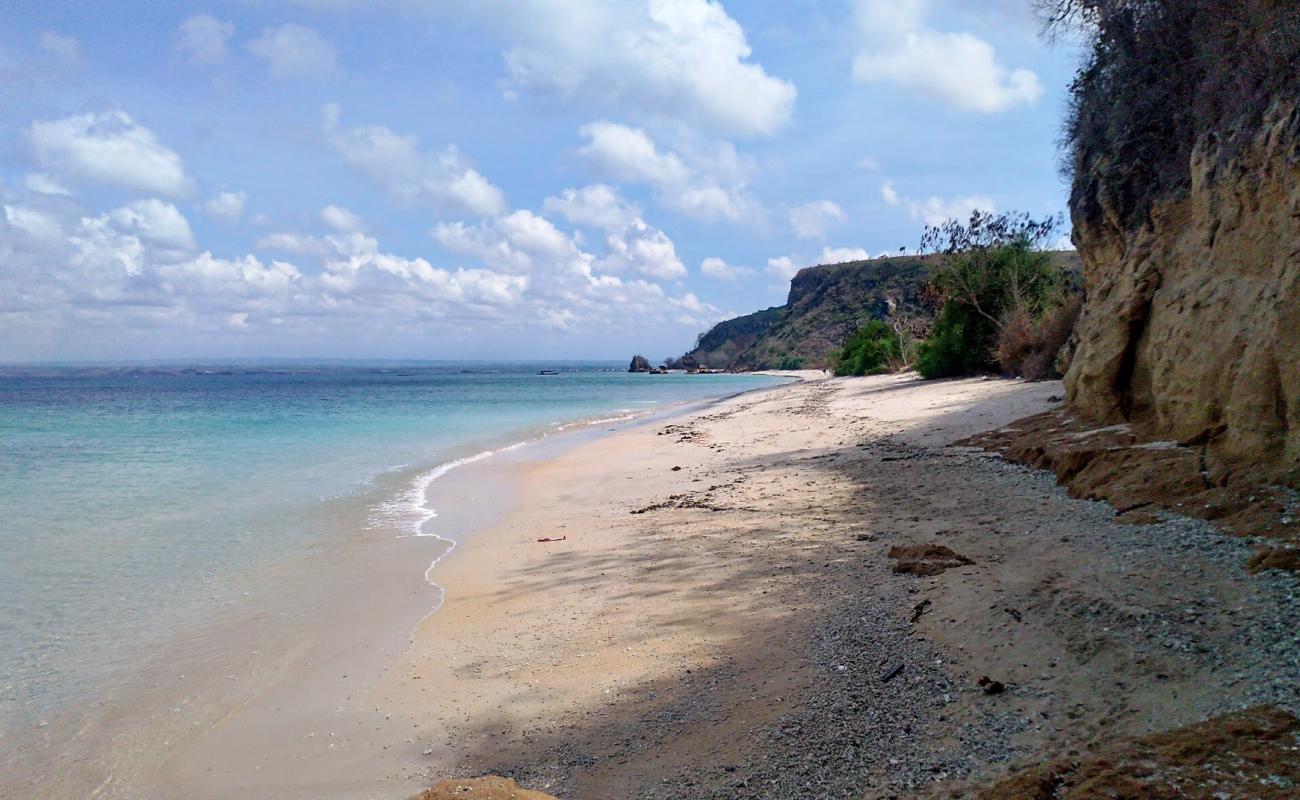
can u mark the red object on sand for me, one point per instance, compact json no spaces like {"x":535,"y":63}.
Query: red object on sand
{"x":550,"y":539}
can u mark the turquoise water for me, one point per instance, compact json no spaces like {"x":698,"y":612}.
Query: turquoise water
{"x":134,"y":501}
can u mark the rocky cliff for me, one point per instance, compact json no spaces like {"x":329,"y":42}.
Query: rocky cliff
{"x":826,"y":304}
{"x":1191,"y":321}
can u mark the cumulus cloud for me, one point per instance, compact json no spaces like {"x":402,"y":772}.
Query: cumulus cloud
{"x":107,"y":147}
{"x":684,"y":60}
{"x":595,"y":206}
{"x":936,"y":210}
{"x":293,"y":51}
{"x":706,"y":183}
{"x":341,"y":219}
{"x":41,"y":183}
{"x":202,"y":39}
{"x":839,"y":255}
{"x":958,"y":68}
{"x":442,"y":180}
{"x":814,"y":220}
{"x":34,"y":223}
{"x":154,"y":221}
{"x":228,"y":206}
{"x":783,"y":267}
{"x":642,"y":249}
{"x":717,"y":268}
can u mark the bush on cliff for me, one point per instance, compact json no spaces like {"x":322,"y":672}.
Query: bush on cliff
{"x":1160,"y":75}
{"x":870,"y":351}
{"x":998,"y":297}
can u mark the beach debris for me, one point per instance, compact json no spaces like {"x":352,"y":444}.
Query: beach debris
{"x":677,"y":469}
{"x":919,"y":610}
{"x":893,"y":673}
{"x":991,"y":686}
{"x":552,"y":538}
{"x":864,"y":537}
{"x":924,"y":560}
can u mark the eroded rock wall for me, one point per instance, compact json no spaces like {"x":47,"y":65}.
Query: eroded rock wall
{"x":1191,"y":323}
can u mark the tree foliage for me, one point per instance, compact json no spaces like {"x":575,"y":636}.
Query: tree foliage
{"x":1160,"y":75}
{"x":870,"y":351}
{"x":993,"y":274}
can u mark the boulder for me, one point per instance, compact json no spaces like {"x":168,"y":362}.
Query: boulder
{"x":639,"y":364}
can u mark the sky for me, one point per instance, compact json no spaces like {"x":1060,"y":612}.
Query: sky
{"x":511,"y":179}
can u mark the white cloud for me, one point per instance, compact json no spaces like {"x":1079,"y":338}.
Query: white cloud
{"x":154,"y":221}
{"x":34,"y":223}
{"x":683,"y":60}
{"x":839,"y":255}
{"x":517,"y":242}
{"x":108,"y":147}
{"x":813,"y":220}
{"x":202,"y":39}
{"x":293,"y":51}
{"x":228,"y":206}
{"x":341,"y":219}
{"x":707,"y":183}
{"x":783,"y":267}
{"x":644,"y":250}
{"x":934,"y":211}
{"x":41,"y":183}
{"x":959,"y":69}
{"x":717,"y":268}
{"x":595,"y":206}
{"x":870,"y":164}
{"x":443,"y":180}
{"x":64,"y":48}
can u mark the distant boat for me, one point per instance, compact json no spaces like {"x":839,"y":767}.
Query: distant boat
{"x":547,"y":372}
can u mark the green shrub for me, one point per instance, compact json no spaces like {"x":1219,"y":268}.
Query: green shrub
{"x":992,"y":289}
{"x":958,"y":345}
{"x":869,"y":351}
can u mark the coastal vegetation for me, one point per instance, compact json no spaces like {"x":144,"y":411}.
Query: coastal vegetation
{"x":828,"y":304}
{"x":1002,"y":303}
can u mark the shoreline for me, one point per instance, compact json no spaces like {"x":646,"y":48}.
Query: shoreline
{"x":463,"y":501}
{"x":722,"y":595}
{"x":198,"y":686}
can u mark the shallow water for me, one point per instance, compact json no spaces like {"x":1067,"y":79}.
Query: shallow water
{"x":136,"y":501}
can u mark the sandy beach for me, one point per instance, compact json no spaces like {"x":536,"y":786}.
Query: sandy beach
{"x":720,"y":617}
{"x":722,"y":614}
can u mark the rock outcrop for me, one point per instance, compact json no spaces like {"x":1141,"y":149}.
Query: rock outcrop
{"x":639,"y":364}
{"x":1191,"y":324}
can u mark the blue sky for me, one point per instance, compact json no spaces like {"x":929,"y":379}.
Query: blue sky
{"x":526,"y":179}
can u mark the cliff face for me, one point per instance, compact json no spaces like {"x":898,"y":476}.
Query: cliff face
{"x":1191,"y":323}
{"x":825,"y":305}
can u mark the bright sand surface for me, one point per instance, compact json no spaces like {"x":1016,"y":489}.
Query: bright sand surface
{"x":535,"y":636}
{"x":703,"y":556}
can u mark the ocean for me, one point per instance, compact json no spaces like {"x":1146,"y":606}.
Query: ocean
{"x":139,"y":502}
